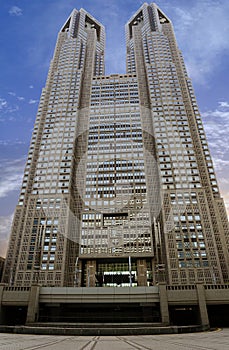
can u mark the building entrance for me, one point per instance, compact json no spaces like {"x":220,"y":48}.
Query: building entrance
{"x":123,"y":272}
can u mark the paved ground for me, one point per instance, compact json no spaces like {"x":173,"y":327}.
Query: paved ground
{"x":217,"y":340}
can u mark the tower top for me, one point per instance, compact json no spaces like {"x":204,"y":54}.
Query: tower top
{"x":147,"y":14}
{"x":82,"y":19}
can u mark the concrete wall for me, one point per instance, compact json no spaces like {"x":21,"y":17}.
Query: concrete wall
{"x":99,"y":295}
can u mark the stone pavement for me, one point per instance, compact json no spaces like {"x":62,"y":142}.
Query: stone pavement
{"x":217,"y":340}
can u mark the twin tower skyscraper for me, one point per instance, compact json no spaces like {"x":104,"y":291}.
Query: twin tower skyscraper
{"x":119,"y":187}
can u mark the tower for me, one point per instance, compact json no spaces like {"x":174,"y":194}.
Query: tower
{"x":119,"y":186}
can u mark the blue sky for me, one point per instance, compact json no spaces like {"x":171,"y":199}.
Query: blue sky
{"x":28,"y":31}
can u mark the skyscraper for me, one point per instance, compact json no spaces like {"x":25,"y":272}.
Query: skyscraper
{"x":119,"y":187}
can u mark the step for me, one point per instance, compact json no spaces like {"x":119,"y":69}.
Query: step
{"x":102,"y":330}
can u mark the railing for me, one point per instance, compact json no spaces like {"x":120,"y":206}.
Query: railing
{"x":16,"y":289}
{"x":186,"y":287}
{"x":168,"y":287}
{"x":216,"y":286}
{"x":193,"y":287}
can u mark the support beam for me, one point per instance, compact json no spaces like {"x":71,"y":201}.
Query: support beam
{"x":90,"y":273}
{"x":33,"y":305}
{"x":2,"y":285}
{"x":202,"y":305}
{"x":164,"y":304}
{"x":142,"y":272}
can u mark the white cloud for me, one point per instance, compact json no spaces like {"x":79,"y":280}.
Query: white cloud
{"x":11,"y":143}
{"x":216,"y":125}
{"x":31,"y":86}
{"x":201,"y":32}
{"x":224,"y":104}
{"x":6,"y":108}
{"x":11,"y":183}
{"x":11,"y":173}
{"x":224,"y":181}
{"x":15,"y":11}
{"x":5,"y":227}
{"x":20,"y":98}
{"x":3,"y":103}
{"x":13,"y":109}
{"x":220,"y":164}
{"x":226,"y":201}
{"x":224,"y":190}
{"x":31,"y":101}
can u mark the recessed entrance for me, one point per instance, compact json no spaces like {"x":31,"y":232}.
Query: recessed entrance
{"x":14,"y":315}
{"x":100,"y":313}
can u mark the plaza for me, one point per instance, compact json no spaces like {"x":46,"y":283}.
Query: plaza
{"x":217,"y":340}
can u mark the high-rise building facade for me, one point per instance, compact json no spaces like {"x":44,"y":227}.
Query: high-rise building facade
{"x":119,"y":187}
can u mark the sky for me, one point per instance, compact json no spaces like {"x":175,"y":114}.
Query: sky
{"x":28,"y":32}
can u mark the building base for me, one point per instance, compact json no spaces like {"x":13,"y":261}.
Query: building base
{"x":129,"y":309}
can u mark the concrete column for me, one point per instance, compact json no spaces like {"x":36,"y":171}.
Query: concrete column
{"x":2,"y":285}
{"x":202,"y":304}
{"x":142,"y":272}
{"x":79,"y":274}
{"x":91,"y":271}
{"x":33,"y":305}
{"x":164,"y":307}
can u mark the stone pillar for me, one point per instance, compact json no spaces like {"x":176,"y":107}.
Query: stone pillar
{"x":79,"y":274}
{"x":202,"y":305}
{"x":90,"y":273}
{"x":2,"y":285}
{"x":164,"y":307}
{"x":33,"y":305}
{"x":142,"y":272}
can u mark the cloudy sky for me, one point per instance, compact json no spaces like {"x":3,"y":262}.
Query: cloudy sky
{"x":28,"y":31}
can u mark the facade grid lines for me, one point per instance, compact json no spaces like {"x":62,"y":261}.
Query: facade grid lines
{"x":119,"y":178}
